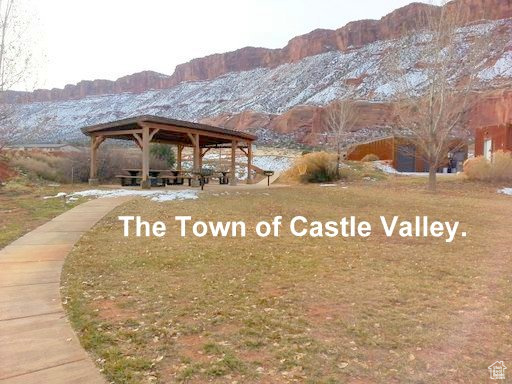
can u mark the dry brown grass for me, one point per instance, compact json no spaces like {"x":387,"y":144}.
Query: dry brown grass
{"x":376,"y":310}
{"x":70,"y":167}
{"x":499,"y":169}
{"x":370,"y":157}
{"x":22,"y":207}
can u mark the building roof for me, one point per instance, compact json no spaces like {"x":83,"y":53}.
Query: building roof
{"x":172,"y":130}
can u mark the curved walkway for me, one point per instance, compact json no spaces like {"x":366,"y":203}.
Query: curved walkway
{"x":37,"y":343}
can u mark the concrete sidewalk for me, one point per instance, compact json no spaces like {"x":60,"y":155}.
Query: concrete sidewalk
{"x":37,"y":344}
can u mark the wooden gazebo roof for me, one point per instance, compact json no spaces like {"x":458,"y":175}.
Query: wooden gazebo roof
{"x":169,"y":131}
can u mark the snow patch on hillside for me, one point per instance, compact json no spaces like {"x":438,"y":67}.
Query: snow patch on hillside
{"x":315,"y":80}
{"x":502,"y":68}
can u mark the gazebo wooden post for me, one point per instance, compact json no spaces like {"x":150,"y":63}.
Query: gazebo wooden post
{"x":197,"y":152}
{"x":197,"y":157}
{"x":232,"y":176}
{"x":179,"y":157}
{"x":95,"y":143}
{"x":249,"y":162}
{"x":145,"y":182}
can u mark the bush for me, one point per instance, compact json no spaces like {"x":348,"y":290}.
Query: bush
{"x":370,"y":157}
{"x":500,"y":169}
{"x":36,"y":167}
{"x":74,"y":166}
{"x":163,"y":152}
{"x":317,"y":167}
{"x":501,"y":166}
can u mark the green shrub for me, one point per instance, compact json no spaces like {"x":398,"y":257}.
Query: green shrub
{"x":163,"y":152}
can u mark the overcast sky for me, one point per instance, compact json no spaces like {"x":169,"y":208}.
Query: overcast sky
{"x":107,"y":39}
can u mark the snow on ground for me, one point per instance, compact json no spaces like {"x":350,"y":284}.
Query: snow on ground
{"x":267,"y":163}
{"x":506,"y":191}
{"x":158,"y":196}
{"x":385,"y":167}
{"x":60,"y":194}
{"x":273,"y":163}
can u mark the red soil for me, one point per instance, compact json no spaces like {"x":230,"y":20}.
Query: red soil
{"x":6,"y":173}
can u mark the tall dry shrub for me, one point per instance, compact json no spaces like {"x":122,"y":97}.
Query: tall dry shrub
{"x":501,"y":166}
{"x":499,"y":169}
{"x":34,"y":168}
{"x":316,"y":167}
{"x":67,"y":167}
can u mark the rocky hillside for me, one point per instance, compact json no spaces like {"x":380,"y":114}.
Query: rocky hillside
{"x":279,"y":94}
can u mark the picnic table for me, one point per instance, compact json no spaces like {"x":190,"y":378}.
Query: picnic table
{"x":224,"y":179}
{"x":162,"y":177}
{"x":179,"y":176}
{"x":135,"y":176}
{"x":158,"y":177}
{"x":152,"y":172}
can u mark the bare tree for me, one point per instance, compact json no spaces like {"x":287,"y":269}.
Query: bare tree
{"x":15,"y":62}
{"x":433,"y":74}
{"x":340,"y":119}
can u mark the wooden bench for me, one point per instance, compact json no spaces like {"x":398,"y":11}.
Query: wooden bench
{"x":178,"y":180}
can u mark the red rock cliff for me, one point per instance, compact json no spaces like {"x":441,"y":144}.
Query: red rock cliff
{"x":138,"y":82}
{"x":354,"y":34}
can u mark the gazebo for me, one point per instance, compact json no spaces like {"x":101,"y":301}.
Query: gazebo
{"x":146,"y":129}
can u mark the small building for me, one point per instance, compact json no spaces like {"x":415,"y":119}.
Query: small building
{"x":493,"y":138}
{"x":45,"y":147}
{"x":403,"y":154}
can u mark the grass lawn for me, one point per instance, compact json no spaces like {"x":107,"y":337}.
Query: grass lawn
{"x":22,"y":208}
{"x":287,"y":309}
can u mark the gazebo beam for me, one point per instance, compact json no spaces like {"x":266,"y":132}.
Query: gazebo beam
{"x":119,"y":132}
{"x":203,"y":153}
{"x":216,"y":146}
{"x":153,"y":133}
{"x":193,"y":131}
{"x":138,"y":139}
